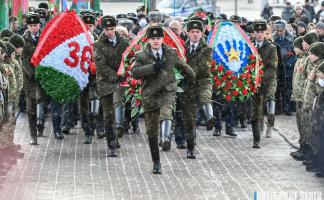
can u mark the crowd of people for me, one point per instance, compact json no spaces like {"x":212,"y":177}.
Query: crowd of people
{"x":290,"y":46}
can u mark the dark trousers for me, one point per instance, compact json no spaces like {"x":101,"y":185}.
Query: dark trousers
{"x":179,"y":130}
{"x":56,"y":109}
{"x":220,"y":105}
{"x":31,"y":111}
{"x":152,"y":123}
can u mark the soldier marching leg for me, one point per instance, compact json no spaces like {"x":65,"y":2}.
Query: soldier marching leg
{"x":218,"y":106}
{"x":230,"y":119}
{"x":152,"y":131}
{"x":109,"y":116}
{"x":270,"y":104}
{"x":166,"y":125}
{"x":94,"y":115}
{"x":40,"y":97}
{"x":189,"y":114}
{"x":256,"y":119}
{"x":31,"y":114}
{"x":56,"y":110}
{"x":84,"y":114}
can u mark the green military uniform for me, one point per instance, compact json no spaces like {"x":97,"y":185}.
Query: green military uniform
{"x":159,"y":89}
{"x":299,"y":79}
{"x":3,"y":85}
{"x":30,"y":85}
{"x":89,"y":93}
{"x":310,"y":90}
{"x":266,"y":92}
{"x":199,"y":56}
{"x":108,"y":53}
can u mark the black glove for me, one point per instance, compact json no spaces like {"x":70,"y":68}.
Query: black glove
{"x":158,"y":66}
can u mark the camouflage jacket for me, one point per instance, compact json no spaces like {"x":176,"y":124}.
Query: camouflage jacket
{"x":12,"y":90}
{"x":310,"y":91}
{"x":157,"y":85}
{"x":27,"y":68}
{"x":108,"y":58}
{"x":269,"y":56}
{"x":299,"y":78}
{"x":199,"y":61}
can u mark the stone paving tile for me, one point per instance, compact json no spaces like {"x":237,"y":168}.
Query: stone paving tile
{"x":225,"y":168}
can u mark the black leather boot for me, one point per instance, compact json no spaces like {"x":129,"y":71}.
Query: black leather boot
{"x":256,"y":134}
{"x":119,"y":119}
{"x":112,"y":142}
{"x":155,"y":154}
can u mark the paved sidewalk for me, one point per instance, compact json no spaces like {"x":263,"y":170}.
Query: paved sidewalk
{"x":225,"y":168}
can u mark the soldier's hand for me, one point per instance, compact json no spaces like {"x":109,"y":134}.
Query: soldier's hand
{"x":158,"y":66}
{"x":8,"y":71}
{"x":311,"y":76}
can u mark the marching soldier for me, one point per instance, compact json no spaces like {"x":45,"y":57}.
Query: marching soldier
{"x":199,"y":56}
{"x":301,"y":47}
{"x":31,"y":37}
{"x":266,"y":92}
{"x":108,"y":51}
{"x":155,"y":66}
{"x":89,"y":100}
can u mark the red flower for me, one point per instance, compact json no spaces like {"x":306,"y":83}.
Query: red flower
{"x":144,"y":39}
{"x":254,"y":90}
{"x":215,"y":78}
{"x":251,"y":87}
{"x":212,"y":69}
{"x":133,"y":82}
{"x":235,"y":93}
{"x":132,"y":91}
{"x":261,"y":72}
{"x":248,"y":68}
{"x":137,"y":47}
{"x":228,"y":97}
{"x":239,"y":83}
{"x":252,"y":57}
{"x":229,"y":84}
{"x":138,"y":102}
{"x":140,"y":91}
{"x":220,"y":68}
{"x":213,"y":62}
{"x":127,"y":74}
{"x":252,"y":65}
{"x":131,"y":53}
{"x":244,"y":91}
{"x":228,"y":72}
{"x":218,"y":82}
{"x":234,"y":78}
{"x":224,"y":78}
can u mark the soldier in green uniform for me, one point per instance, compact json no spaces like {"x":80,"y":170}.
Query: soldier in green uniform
{"x":89,"y":99}
{"x":18,"y":42}
{"x":155,"y":66}
{"x":108,"y":51}
{"x":266,"y":92}
{"x":301,"y":47}
{"x":11,"y":92}
{"x":199,"y":56}
{"x":31,"y":37}
{"x":311,"y":89}
{"x":3,"y":83}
